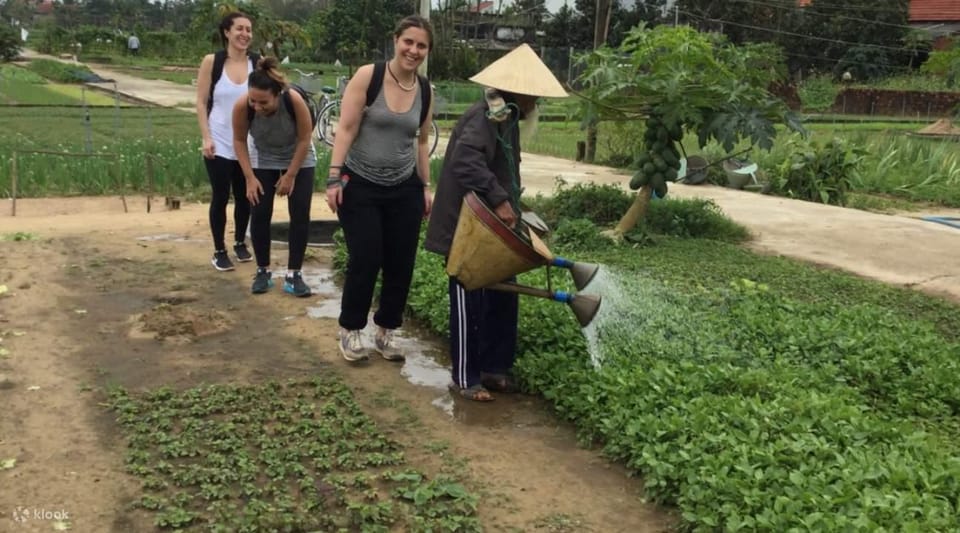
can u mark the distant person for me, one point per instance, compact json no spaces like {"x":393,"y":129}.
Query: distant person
{"x":280,"y":161}
{"x":133,"y":44}
{"x":222,"y":79}
{"x":483,"y":156}
{"x":379,"y":186}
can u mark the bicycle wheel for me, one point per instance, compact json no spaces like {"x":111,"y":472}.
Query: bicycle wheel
{"x":434,"y":136}
{"x":328,"y":121}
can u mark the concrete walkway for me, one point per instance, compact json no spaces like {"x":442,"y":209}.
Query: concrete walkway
{"x":899,"y":249}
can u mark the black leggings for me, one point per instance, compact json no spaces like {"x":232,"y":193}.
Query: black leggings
{"x":225,"y":174}
{"x":381,"y":226}
{"x":298,"y":205}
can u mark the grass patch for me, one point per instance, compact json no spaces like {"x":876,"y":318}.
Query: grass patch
{"x":182,"y":77}
{"x":298,"y":456}
{"x":59,"y":71}
{"x":15,"y":92}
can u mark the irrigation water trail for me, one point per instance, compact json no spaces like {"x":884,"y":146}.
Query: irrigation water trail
{"x":626,"y":306}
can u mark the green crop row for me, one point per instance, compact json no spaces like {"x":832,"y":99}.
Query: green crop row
{"x":749,"y":391}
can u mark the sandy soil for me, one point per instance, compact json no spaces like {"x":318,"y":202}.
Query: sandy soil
{"x":98,"y":297}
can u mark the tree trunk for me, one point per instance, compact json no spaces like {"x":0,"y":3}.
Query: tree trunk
{"x":637,"y":210}
{"x":600,"y":28}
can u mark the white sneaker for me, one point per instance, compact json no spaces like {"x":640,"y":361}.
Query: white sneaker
{"x":387,"y":347}
{"x":351,"y":345}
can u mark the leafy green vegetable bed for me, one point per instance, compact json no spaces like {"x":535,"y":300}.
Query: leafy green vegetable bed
{"x":754,"y":393}
{"x":298,"y":456}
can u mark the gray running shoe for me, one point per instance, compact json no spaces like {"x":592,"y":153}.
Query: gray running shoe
{"x":351,"y":345}
{"x":388,"y":347}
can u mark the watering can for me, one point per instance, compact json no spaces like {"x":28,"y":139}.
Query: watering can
{"x":486,"y":252}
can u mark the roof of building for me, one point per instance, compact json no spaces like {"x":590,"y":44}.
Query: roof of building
{"x":934,"y":10}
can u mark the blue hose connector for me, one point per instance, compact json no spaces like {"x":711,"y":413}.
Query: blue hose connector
{"x":562,"y":296}
{"x":562,"y":263}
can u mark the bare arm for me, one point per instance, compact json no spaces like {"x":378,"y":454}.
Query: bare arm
{"x":304,"y":132}
{"x":241,"y":127}
{"x":423,"y":144}
{"x":204,"y":75}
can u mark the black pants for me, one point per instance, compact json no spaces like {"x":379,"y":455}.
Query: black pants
{"x":381,"y":227}
{"x":225,"y":174}
{"x":483,"y":332}
{"x":298,"y":205}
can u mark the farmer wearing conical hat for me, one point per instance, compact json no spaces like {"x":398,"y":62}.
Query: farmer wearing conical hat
{"x":483,"y":156}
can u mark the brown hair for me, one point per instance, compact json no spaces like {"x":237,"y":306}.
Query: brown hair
{"x":415,"y":21}
{"x":267,"y":76}
{"x":227,"y":22}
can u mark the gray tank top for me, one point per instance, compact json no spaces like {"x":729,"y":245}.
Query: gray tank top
{"x":275,"y":140}
{"x":385,"y":150}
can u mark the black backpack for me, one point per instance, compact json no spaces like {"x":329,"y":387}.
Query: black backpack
{"x":219,"y":58}
{"x":379,"y":69}
{"x":288,"y":104}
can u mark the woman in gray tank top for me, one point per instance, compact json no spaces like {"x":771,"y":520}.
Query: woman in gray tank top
{"x":379,"y":186}
{"x":281,"y":160}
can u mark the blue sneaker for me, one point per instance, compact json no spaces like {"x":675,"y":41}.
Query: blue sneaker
{"x":262,"y":281}
{"x":293,"y":284}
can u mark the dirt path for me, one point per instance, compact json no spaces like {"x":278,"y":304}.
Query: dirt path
{"x":92,"y":286}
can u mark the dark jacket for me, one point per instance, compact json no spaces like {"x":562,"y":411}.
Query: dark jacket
{"x":475,"y":160}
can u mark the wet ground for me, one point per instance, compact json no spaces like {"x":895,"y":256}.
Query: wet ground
{"x":101,"y":298}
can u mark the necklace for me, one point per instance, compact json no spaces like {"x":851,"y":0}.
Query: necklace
{"x":394,"y":76}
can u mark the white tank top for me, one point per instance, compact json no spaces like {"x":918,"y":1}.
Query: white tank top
{"x":220,"y":121}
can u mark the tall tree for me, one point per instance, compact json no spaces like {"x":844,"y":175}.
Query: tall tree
{"x":815,"y":36}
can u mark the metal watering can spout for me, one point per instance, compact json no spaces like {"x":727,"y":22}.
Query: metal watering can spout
{"x":583,"y":273}
{"x":485,"y":253}
{"x":584,"y":306}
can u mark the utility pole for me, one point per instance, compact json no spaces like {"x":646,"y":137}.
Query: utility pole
{"x":425,"y":13}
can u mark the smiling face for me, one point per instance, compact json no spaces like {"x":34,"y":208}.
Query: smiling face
{"x":411,"y":47}
{"x":263,"y":101}
{"x":239,"y":34}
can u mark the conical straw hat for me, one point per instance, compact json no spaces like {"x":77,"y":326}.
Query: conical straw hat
{"x":521,"y":72}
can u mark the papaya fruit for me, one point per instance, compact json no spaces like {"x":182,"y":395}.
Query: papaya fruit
{"x":661,"y":190}
{"x":638,"y":180}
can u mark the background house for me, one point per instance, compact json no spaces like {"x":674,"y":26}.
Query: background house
{"x":939,"y":17}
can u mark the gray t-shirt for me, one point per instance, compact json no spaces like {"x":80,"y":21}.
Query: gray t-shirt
{"x":274,"y":140}
{"x":385,"y":150}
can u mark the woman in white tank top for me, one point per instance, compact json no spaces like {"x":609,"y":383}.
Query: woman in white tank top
{"x":214,"y":108}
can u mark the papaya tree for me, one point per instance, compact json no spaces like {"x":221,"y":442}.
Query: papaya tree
{"x":680,"y":80}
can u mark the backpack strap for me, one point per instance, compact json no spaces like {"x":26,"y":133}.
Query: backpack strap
{"x":219,"y":59}
{"x":426,"y":95}
{"x":376,"y":82}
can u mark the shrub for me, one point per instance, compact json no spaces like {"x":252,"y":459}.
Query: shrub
{"x":693,"y":218}
{"x":818,"y":93}
{"x":818,"y":173}
{"x":579,"y":234}
{"x":9,"y":42}
{"x":601,"y":204}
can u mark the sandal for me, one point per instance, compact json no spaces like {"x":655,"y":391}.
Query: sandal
{"x":499,"y":382}
{"x":476,"y":393}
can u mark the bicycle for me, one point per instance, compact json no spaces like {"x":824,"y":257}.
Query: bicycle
{"x":324,"y":96}
{"x":328,"y":116}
